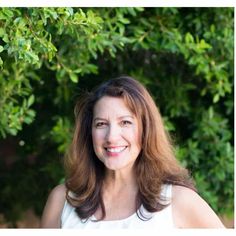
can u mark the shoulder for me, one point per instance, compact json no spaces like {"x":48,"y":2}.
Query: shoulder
{"x":53,"y":208}
{"x":58,"y":191}
{"x":57,"y":195}
{"x":192,"y":211}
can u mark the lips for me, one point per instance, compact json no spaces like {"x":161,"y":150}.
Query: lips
{"x":115,"y":151}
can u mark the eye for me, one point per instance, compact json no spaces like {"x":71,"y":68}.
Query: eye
{"x":100,"y":124}
{"x":125,"y":123}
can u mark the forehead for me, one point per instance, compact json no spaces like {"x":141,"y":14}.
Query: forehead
{"x":111,"y":106}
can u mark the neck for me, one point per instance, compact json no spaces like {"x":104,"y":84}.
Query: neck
{"x":119,"y":193}
{"x":119,"y":180}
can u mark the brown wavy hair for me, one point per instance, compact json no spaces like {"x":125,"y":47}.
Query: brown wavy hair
{"x":155,"y":165}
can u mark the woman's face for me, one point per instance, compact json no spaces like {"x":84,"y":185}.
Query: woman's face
{"x":115,"y":133}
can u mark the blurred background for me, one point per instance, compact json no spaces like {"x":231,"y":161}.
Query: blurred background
{"x":50,"y":56}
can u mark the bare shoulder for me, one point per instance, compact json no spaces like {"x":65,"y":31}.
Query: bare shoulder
{"x":190,"y":210}
{"x":59,"y":191}
{"x":180,"y":192}
{"x":53,"y":208}
{"x":57,"y":195}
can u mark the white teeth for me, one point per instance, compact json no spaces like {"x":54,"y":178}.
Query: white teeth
{"x":116,"y":150}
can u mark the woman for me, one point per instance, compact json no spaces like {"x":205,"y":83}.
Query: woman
{"x":121,"y":170}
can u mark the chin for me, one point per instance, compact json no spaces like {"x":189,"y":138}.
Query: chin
{"x":117,"y":167}
{"x":113,"y":167}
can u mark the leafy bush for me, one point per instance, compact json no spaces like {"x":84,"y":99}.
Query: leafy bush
{"x":49,"y":56}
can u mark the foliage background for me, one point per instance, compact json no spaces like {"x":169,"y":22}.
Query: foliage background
{"x":49,"y":56}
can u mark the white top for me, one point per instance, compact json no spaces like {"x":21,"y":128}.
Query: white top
{"x":161,"y":219}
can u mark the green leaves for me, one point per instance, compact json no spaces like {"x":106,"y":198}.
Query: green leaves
{"x":61,"y":133}
{"x":6,"y":14}
{"x":73,"y":77}
{"x":185,"y":56}
{"x":189,"y":38}
{"x":14,"y":116}
{"x":30,"y":100}
{"x":188,"y":60}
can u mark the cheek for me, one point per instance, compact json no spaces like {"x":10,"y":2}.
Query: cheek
{"x":137,"y":137}
{"x":94,"y":138}
{"x":133,"y":137}
{"x":97,"y":138}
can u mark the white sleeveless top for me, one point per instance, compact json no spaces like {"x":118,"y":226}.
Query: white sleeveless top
{"x":158,"y":220}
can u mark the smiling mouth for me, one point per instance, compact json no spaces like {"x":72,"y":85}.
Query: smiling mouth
{"x":116,"y":149}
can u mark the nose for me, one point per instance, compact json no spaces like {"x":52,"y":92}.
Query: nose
{"x":113,"y":134}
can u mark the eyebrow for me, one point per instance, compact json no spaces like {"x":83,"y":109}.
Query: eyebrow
{"x":120,"y":117}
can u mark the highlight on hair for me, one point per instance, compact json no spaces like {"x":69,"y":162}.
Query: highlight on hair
{"x":155,"y":165}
